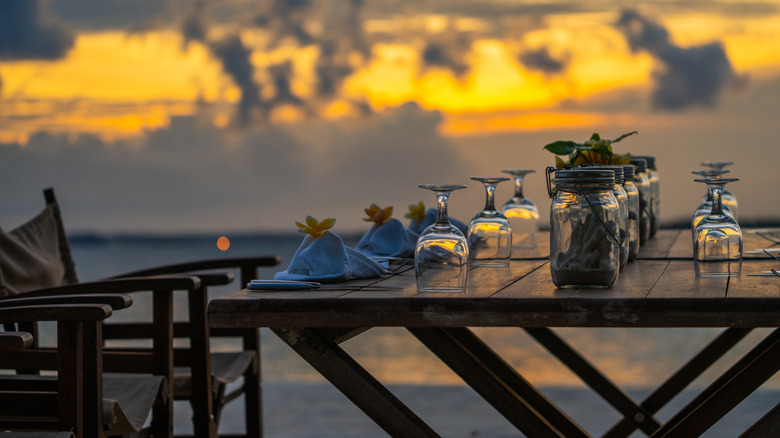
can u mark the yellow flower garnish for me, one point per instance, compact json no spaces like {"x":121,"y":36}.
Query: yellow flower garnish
{"x":377,"y":214}
{"x":315,"y":228}
{"x":416,"y":211}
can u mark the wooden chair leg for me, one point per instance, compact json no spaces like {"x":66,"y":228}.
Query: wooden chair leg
{"x":203,"y":415}
{"x":70,"y":391}
{"x":253,"y":395}
{"x":162,"y":412}
{"x":252,"y":388}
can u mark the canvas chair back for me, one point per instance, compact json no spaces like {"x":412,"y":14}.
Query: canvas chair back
{"x":36,"y":254}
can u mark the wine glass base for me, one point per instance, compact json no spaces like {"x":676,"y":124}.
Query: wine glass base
{"x":718,"y":268}
{"x":441,"y":289}
{"x":489,"y":262}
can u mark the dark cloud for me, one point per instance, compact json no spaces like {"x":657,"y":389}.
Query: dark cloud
{"x":334,"y":27}
{"x":107,"y":14}
{"x":194,"y":26}
{"x":694,"y":76}
{"x":234,"y":57}
{"x":285,"y":19}
{"x":27,"y":33}
{"x":448,"y":49}
{"x":283,"y":94}
{"x":542,"y":60}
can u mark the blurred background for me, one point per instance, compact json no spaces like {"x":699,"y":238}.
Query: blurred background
{"x":237,"y":115}
{"x":163,"y":124}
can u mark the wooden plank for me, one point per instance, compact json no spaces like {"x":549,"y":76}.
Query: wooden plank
{"x":634,"y":281}
{"x":679,"y":281}
{"x":659,"y":246}
{"x":746,"y":286}
{"x":542,"y":250}
{"x":683,"y":246}
{"x":752,"y":241}
{"x":536,"y":283}
{"x":355,"y":382}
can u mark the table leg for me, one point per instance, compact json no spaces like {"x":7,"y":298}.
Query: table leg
{"x":498,"y":383}
{"x":355,"y":382}
{"x":633,"y":412}
{"x":682,"y":378}
{"x":739,"y":381}
{"x":769,"y":425}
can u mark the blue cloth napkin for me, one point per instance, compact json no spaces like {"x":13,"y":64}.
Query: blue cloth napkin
{"x":391,"y":239}
{"x":326,"y":259}
{"x":417,"y":226}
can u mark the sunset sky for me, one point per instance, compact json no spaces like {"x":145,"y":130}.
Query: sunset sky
{"x":239,"y":115}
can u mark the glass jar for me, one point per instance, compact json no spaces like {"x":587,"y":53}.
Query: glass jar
{"x":584,"y":247}
{"x":632,"y":193}
{"x":655,"y":194}
{"x":645,"y":198}
{"x":622,"y":198}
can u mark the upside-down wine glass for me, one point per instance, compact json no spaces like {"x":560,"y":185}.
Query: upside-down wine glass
{"x":522,"y":214}
{"x":717,"y":240}
{"x":704,"y":209}
{"x":441,"y":257}
{"x":728,"y":198}
{"x":490,"y":234}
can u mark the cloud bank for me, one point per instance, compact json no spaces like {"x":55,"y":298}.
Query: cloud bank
{"x":192,"y":176}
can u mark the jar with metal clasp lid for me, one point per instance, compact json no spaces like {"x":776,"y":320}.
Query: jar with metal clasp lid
{"x":633,"y":211}
{"x":655,"y":194}
{"x":645,"y":198}
{"x":622,"y":198}
{"x":584,"y":242}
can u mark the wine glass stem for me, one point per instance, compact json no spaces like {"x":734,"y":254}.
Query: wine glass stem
{"x":717,"y":205}
{"x":518,"y":187}
{"x":441,"y":201}
{"x":490,"y":198}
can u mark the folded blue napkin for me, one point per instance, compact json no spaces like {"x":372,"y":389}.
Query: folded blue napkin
{"x":326,"y":259}
{"x":390,"y":239}
{"x":417,"y":226}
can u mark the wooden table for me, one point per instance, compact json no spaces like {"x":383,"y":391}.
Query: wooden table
{"x":659,"y":289}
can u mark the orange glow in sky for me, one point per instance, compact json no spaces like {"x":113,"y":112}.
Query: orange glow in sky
{"x":117,"y":85}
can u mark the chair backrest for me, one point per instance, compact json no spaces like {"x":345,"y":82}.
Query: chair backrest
{"x":36,"y":254}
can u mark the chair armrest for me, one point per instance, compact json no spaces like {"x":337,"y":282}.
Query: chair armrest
{"x":116,"y":301}
{"x":207,"y":264}
{"x":61,"y":312}
{"x":15,"y":341}
{"x":117,"y":285}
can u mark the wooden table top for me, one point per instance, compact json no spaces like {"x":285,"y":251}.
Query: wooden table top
{"x":659,"y":289}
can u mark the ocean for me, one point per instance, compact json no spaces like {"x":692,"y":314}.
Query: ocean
{"x":300,"y":403}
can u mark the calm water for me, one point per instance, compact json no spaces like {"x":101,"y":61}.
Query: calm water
{"x":635,"y":359}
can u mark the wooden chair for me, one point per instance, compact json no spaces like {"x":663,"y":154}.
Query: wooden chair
{"x":200,"y":376}
{"x":73,"y":402}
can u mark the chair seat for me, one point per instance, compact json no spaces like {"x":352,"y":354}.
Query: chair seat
{"x":127,"y":403}
{"x":225,"y":368}
{"x":128,"y":400}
